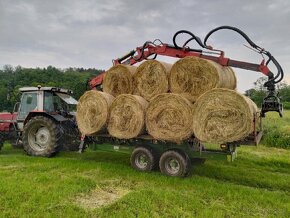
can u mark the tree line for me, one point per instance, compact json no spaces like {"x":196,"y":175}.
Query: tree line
{"x":13,"y":78}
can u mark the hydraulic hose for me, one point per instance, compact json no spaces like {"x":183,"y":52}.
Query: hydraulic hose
{"x":280,"y":74}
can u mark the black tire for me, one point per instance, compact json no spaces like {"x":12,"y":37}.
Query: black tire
{"x":174,"y":163}
{"x":42,"y":136}
{"x":143,"y":159}
{"x":72,"y":136}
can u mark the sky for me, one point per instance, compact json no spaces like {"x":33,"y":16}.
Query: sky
{"x":90,"y":33}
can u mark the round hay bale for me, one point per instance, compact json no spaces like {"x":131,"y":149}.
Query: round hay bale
{"x":169,"y":117}
{"x":93,"y":111}
{"x":151,"y":79}
{"x":192,"y":76}
{"x":223,"y":115}
{"x":119,"y":80}
{"x":127,"y":116}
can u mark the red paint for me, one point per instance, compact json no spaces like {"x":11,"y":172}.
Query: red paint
{"x":6,"y":121}
{"x":98,"y":80}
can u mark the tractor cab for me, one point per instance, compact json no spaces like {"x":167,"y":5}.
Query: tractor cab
{"x":53,"y":101}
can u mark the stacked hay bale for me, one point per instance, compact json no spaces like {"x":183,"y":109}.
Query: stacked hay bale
{"x":169,"y":117}
{"x":171,"y":102}
{"x":151,"y":79}
{"x":223,"y":115}
{"x":119,"y":80}
{"x":93,"y":112}
{"x":127,"y":115}
{"x":192,"y":76}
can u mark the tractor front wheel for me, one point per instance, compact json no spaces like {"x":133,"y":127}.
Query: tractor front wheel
{"x":42,"y":137}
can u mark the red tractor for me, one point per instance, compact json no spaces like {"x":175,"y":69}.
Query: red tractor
{"x":43,"y":121}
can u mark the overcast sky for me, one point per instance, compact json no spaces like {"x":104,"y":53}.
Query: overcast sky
{"x":90,"y":33}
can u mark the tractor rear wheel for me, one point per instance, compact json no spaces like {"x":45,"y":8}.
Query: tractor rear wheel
{"x":72,"y":136}
{"x":42,"y":137}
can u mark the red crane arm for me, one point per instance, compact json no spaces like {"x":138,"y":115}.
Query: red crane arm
{"x":171,"y":51}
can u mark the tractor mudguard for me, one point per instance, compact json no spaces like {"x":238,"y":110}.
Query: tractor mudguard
{"x":56,"y":117}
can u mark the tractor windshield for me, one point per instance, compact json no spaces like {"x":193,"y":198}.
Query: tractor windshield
{"x":67,"y":98}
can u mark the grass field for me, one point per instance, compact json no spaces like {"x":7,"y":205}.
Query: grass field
{"x":102,"y":184}
{"x":277,"y":130}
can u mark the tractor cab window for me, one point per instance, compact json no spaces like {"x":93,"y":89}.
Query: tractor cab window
{"x":28,"y":103}
{"x":53,"y":103}
{"x":48,"y":105}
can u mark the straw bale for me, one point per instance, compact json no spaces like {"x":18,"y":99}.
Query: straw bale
{"x":151,"y":79}
{"x":169,"y":117}
{"x":223,"y":115}
{"x":127,"y":116}
{"x":119,"y":80}
{"x":192,"y":76}
{"x":93,"y":112}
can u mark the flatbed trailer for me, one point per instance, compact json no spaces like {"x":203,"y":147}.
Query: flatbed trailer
{"x":172,"y":158}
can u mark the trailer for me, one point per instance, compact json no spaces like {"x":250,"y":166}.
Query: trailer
{"x":172,"y":158}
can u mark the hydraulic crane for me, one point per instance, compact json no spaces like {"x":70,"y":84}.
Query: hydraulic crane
{"x":151,"y":49}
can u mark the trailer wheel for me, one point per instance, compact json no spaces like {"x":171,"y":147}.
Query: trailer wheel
{"x":173,"y":163}
{"x":41,"y":137}
{"x":143,"y":159}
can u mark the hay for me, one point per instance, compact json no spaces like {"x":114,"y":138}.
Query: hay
{"x":223,"y":115}
{"x":127,"y":115}
{"x":93,"y":112}
{"x":151,"y":79}
{"x":192,"y":76}
{"x":168,"y":117}
{"x":119,"y":80}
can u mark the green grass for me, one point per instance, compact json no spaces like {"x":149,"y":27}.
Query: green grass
{"x":255,"y":185}
{"x":277,"y":130}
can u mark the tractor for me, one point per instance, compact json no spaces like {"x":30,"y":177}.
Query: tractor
{"x":43,"y":121}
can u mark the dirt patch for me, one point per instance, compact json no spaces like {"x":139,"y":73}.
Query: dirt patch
{"x":101,"y":196}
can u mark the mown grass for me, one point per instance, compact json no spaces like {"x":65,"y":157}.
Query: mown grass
{"x":255,"y":185}
{"x":277,"y":130}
